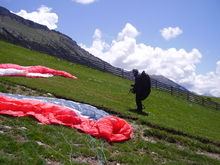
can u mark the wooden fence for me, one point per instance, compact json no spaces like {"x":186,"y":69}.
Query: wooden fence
{"x":106,"y":67}
{"x":206,"y":102}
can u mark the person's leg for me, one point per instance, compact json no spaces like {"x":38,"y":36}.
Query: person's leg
{"x":138,"y":102}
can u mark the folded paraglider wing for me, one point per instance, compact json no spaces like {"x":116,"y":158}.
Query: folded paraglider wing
{"x":31,"y":71}
{"x":46,"y":111}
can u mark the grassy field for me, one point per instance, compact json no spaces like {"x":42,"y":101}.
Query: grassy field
{"x":170,"y":131}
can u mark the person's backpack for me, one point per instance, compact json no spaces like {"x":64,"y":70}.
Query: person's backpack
{"x":145,"y":84}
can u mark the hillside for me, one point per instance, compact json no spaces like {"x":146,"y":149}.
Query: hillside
{"x":165,"y":80}
{"x":170,"y":131}
{"x":19,"y":31}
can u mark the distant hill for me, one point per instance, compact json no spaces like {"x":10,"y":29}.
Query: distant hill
{"x":165,"y":80}
{"x":19,"y":31}
{"x":26,"y":33}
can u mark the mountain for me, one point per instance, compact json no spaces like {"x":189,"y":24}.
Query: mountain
{"x":26,"y":33}
{"x":165,"y":80}
{"x":19,"y":31}
{"x":208,"y":94}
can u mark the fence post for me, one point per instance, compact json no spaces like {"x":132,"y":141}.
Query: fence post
{"x":122,"y":73}
{"x":171,"y":90}
{"x":203,"y":102}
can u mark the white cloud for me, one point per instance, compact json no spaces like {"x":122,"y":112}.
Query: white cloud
{"x":208,"y":83}
{"x":98,"y":46}
{"x":128,"y":31}
{"x":178,"y":65}
{"x":85,"y":1}
{"x":170,"y":32}
{"x":42,"y":16}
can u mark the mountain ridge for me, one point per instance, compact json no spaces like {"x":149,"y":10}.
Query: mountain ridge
{"x":26,"y":33}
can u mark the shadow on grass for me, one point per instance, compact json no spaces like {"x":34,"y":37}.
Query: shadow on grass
{"x":138,"y":112}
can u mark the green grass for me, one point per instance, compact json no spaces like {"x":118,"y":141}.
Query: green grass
{"x":175,"y":131}
{"x":31,"y":33}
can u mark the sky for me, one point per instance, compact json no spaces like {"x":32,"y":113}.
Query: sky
{"x":179,"y":39}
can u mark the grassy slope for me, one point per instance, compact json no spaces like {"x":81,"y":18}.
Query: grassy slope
{"x":35,"y":34}
{"x":165,"y":112}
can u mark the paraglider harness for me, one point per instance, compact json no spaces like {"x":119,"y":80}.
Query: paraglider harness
{"x":144,"y":86}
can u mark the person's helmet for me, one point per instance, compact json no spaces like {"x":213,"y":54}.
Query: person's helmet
{"x":135,"y":70}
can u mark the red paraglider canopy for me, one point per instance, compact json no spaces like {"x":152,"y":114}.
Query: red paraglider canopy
{"x":109,"y":128}
{"x":31,"y":71}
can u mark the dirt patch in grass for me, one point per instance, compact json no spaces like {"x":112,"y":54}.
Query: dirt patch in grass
{"x":210,"y":155}
{"x":8,"y":87}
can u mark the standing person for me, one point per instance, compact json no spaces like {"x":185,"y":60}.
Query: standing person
{"x":141,"y":87}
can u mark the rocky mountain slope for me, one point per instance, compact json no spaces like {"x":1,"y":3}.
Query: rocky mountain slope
{"x":19,"y":31}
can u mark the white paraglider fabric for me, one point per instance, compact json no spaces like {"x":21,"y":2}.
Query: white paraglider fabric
{"x":31,"y":71}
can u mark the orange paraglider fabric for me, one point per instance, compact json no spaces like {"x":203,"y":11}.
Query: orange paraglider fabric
{"x":109,"y":128}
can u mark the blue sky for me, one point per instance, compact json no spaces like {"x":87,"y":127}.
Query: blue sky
{"x":178,"y":39}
